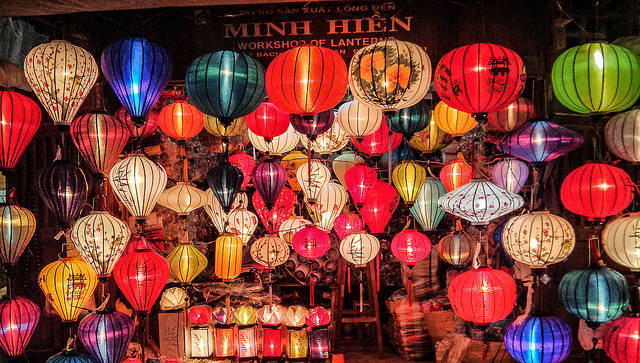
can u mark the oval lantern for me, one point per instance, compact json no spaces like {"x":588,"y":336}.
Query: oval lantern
{"x":620,"y":339}
{"x":454,"y":122}
{"x":539,"y":338}
{"x":242,"y":223}
{"x":18,"y":317}
{"x":597,"y":190}
{"x":596,"y":78}
{"x":216,"y":128}
{"x":408,"y":178}
{"x":329,"y":205}
{"x":270,"y":251}
{"x":310,"y":128}
{"x":359,"y":180}
{"x":269,"y":178}
{"x":410,"y":246}
{"x":180,"y":120}
{"x":225,"y":181}
{"x":425,"y":209}
{"x":246,"y":163}
{"x":347,"y":223}
{"x":225,"y":84}
{"x":312,"y":176}
{"x":455,"y":174}
{"x":268,"y":121}
{"x":512,"y":117}
{"x":278,"y":145}
{"x":510,"y":174}
{"x":216,"y":212}
{"x":480,"y":78}
{"x":186,"y":262}
{"x":455,"y":248}
{"x":377,"y":143}
{"x":492,"y":291}
{"x":291,"y":162}
{"x":100,"y":139}
{"x":344,"y":162}
{"x":358,"y":120}
{"x":146,"y":129}
{"x":431,"y":139}
{"x":183,"y":198}
{"x":291,"y":226}
{"x":282,"y":209}
{"x":412,"y":119}
{"x":106,"y":335}
{"x":311,"y":242}
{"x":390,"y":74}
{"x":379,"y":206}
{"x":61,"y":75}
{"x":21,"y":118}
{"x":621,"y":242}
{"x":359,"y":248}
{"x":17,"y":226}
{"x":228,"y":257}
{"x":332,"y":140}
{"x":622,"y":135}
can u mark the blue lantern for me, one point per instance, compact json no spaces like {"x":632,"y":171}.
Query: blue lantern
{"x":225,"y":84}
{"x":540,"y":338}
{"x":410,"y":120}
{"x":70,"y":355}
{"x":401,"y":153}
{"x":497,"y":238}
{"x":138,"y":71}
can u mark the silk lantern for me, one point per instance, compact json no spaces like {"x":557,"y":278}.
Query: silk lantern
{"x":410,"y":120}
{"x":246,"y":164}
{"x":270,"y":251}
{"x":267,"y":121}
{"x":505,"y":257}
{"x":278,"y":145}
{"x":245,"y":317}
{"x":410,"y":246}
{"x":539,"y":338}
{"x":173,"y":298}
{"x":18,"y":317}
{"x":311,"y":127}
{"x":183,"y":198}
{"x":622,"y":135}
{"x":306,"y":80}
{"x":225,"y":181}
{"x":242,"y":223}
{"x":480,"y":202}
{"x":312,"y":176}
{"x":390,"y":74}
{"x":318,"y":321}
{"x":269,"y":178}
{"x":359,"y":248}
{"x":21,"y":118}
{"x":402,"y":153}
{"x":224,"y":145}
{"x":480,"y":78}
{"x":17,"y":227}
{"x":512,"y":117}
{"x":311,"y":242}
{"x":228,"y":257}
{"x":425,"y":209}
{"x":492,"y":291}
{"x":106,"y":335}
{"x":295,"y":319}
{"x":225,"y":337}
{"x":455,"y":174}
{"x":148,"y":127}
{"x":596,"y":190}
{"x":271,"y":316}
{"x":69,"y":355}
{"x":380,"y":204}
{"x":344,"y":162}
{"x":431,"y":139}
{"x":330,"y":141}
{"x":216,"y":212}
{"x":455,"y":248}
{"x":347,"y":223}
{"x":180,"y":120}
{"x":291,"y":226}
{"x":621,"y":242}
{"x":274,"y":217}
{"x":330,"y":203}
{"x":61,"y":75}
{"x":408,"y":178}
{"x":200,"y":314}
{"x":454,"y":122}
{"x":377,"y":143}
{"x":225,"y":84}
{"x":358,"y":120}
{"x":100,"y":139}
{"x":620,"y":339}
{"x":510,"y":174}
{"x":186,"y":262}
{"x":291,"y":162}
{"x":359,"y":180}
{"x":216,"y":128}
{"x":596,"y":77}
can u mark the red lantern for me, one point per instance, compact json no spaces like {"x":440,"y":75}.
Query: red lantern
{"x":141,"y":276}
{"x":199,"y":314}
{"x":311,"y":242}
{"x":281,"y":211}
{"x":317,"y":317}
{"x":359,"y":180}
{"x":381,"y":202}
{"x":455,"y":174}
{"x":410,"y":246}
{"x":306,"y":80}
{"x":482,"y":295}
{"x":621,"y":339}
{"x":268,"y":121}
{"x":480,"y":78}
{"x":377,"y":143}
{"x":347,"y":223}
{"x":180,"y":120}
{"x":246,"y":163}
{"x":149,"y":126}
{"x":20,"y":117}
{"x":18,"y":319}
{"x":596,"y":190}
{"x":509,"y":119}
{"x":100,"y":139}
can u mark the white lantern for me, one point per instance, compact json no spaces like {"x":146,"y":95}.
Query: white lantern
{"x":292,"y":225}
{"x":538,"y":239}
{"x":270,"y":251}
{"x":217,"y":214}
{"x":480,"y":201}
{"x":359,"y":120}
{"x":183,"y":198}
{"x":101,"y":239}
{"x":622,"y":135}
{"x":173,"y":298}
{"x":242,"y":223}
{"x":17,"y":226}
{"x":511,"y":174}
{"x":138,"y":183}
{"x":328,"y":142}
{"x":312,"y":176}
{"x":344,"y":162}
{"x":279,"y":145}
{"x":329,"y":205}
{"x":621,"y":241}
{"x":359,"y":248}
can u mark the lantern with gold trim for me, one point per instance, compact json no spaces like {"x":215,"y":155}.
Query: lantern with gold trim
{"x":228,"y":258}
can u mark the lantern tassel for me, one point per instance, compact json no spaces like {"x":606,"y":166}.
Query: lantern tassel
{"x":378,"y":272}
{"x":348,"y":279}
{"x":311,"y":291}
{"x":389,"y":157}
{"x":270,"y":294}
{"x":410,"y":287}
{"x":227,"y":302}
{"x":361,"y":309}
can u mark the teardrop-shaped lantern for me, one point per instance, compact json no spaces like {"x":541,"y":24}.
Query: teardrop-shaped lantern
{"x":267,"y":121}
{"x":382,"y":200}
{"x":359,"y":248}
{"x":454,"y":122}
{"x":311,"y":127}
{"x":431,"y":139}
{"x":516,"y":114}
{"x":100,"y":139}
{"x":329,"y":205}
{"x":358,"y":120}
{"x":455,"y":174}
{"x":246,"y":163}
{"x":410,"y":246}
{"x":344,"y":162}
{"x":61,"y":75}
{"x":278,"y":145}
{"x":17,"y":226}
{"x":216,"y":212}
{"x":180,"y":120}
{"x":282,"y":209}
{"x":148,"y":127}
{"x":270,"y":251}
{"x":228,"y":262}
{"x":242,"y":223}
{"x":408,"y":178}
{"x":311,"y":242}
{"x":622,"y":134}
{"x":21,"y":118}
{"x":269,"y":178}
{"x":347,"y":223}
{"x":312,"y":176}
{"x":511,"y":174}
{"x":225,"y":181}
{"x":291,"y":226}
{"x":106,"y":335}
{"x":330,"y":141}
{"x":186,"y":262}
{"x":539,"y":338}
{"x":425,"y":209}
{"x":183,"y":198}
{"x":291,"y":162}
{"x":377,"y":143}
{"x":359,"y":180}
{"x":18,"y":318}
{"x":410,"y":120}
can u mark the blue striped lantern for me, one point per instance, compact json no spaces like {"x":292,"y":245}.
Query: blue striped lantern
{"x":425,"y":209}
{"x":540,"y":338}
{"x":410,"y":120}
{"x":106,"y":336}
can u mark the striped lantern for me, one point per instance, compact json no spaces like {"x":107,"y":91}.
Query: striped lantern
{"x":242,"y":223}
{"x":621,"y":339}
{"x":228,"y":257}
{"x":311,"y":127}
{"x":455,"y":174}
{"x":311,"y":242}
{"x":454,"y":122}
{"x":148,"y":128}
{"x":18,"y":318}
{"x":377,"y":143}
{"x":313,"y":176}
{"x":267,"y":121}
{"x":269,"y":178}
{"x":221,"y":145}
{"x":21,"y":118}
{"x":410,"y":246}
{"x":246,"y":163}
{"x":270,"y":251}
{"x":408,"y":178}
{"x":379,"y":206}
{"x":455,"y":248}
{"x":100,"y":139}
{"x":539,"y":338}
{"x":225,"y":181}
{"x":17,"y":226}
{"x":344,"y":162}
{"x":213,"y":126}
{"x":621,"y":242}
{"x":510,"y":174}
{"x":329,"y":205}
{"x":70,"y":355}
{"x":278,"y":145}
{"x":410,"y":120}
{"x":622,"y":135}
{"x":183,"y":198}
{"x":330,"y":141}
{"x":106,"y":335}
{"x":359,"y":180}
{"x":291,"y":226}
{"x":425,"y":209}
{"x":429,"y":140}
{"x":216,"y":212}
{"x":516,"y":114}
{"x":347,"y":223}
{"x":186,"y":262}
{"x":291,"y":162}
{"x":180,"y":120}
{"x":357,"y":119}
{"x":359,"y":248}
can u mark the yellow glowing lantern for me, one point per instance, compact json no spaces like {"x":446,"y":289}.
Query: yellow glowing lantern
{"x":291,"y":162}
{"x":17,"y":226}
{"x":183,"y":198}
{"x":453,"y":122}
{"x":214,"y":127}
{"x":295,"y":316}
{"x":431,"y":139}
{"x":186,"y":262}
{"x":228,"y":257}
{"x":408,"y":178}
{"x":297,"y":342}
{"x":173,"y":298}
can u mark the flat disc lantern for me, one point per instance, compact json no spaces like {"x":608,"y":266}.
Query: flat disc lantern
{"x":312,"y":176}
{"x":511,"y":174}
{"x":18,"y":317}
{"x":358,"y":120}
{"x":225,"y":181}
{"x":622,"y":135}
{"x":539,"y":338}
{"x":312,"y":127}
{"x":270,"y":251}
{"x":382,"y":200}
{"x":455,"y":174}
{"x":21,"y":118}
{"x":410,"y":120}
{"x":377,"y":143}
{"x":512,"y":117}
{"x":100,"y":139}
{"x":453,"y":122}
{"x":183,"y":198}
{"x":359,"y":180}
{"x":269,"y":178}
{"x":408,"y":178}
{"x":425,"y":209}
{"x":180,"y":120}
{"x":267,"y":121}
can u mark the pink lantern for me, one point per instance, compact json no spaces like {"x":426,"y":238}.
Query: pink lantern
{"x":377,"y":143}
{"x":18,"y":319}
{"x":359,"y":180}
{"x":347,"y":223}
{"x":246,"y":163}
{"x":381,"y":202}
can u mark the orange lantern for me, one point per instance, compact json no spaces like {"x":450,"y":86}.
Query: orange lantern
{"x":455,"y":174}
{"x":180,"y":120}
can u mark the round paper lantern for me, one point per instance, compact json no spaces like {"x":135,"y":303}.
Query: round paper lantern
{"x":141,"y":276}
{"x":311,"y":242}
{"x":61,"y":75}
{"x":68,"y":284}
{"x":225,"y":84}
{"x":453,"y":122}
{"x":408,"y":178}
{"x":101,"y":239}
{"x":596,"y":77}
{"x":431,"y":139}
{"x":173,"y":298}
{"x":21,"y":118}
{"x":596,"y":191}
{"x":246,"y":163}
{"x":455,"y":249}
{"x":347,"y":223}
{"x":69,"y":355}
{"x":380,"y":204}
{"x":330,"y":141}
{"x":291,"y":226}
{"x":138,"y":71}
{"x":344,"y":162}
{"x":455,"y":174}
{"x":377,"y":143}
{"x":269,"y":178}
{"x":410,"y":120}
{"x":623,"y":137}
{"x":480,"y":78}
{"x":183,"y":198}
{"x":216,"y":212}
{"x":425,"y":209}
{"x":512,"y":117}
{"x":279,"y":145}
{"x":242,"y":223}
{"x":147,"y":128}
{"x":359,"y":248}
{"x":17,"y":226}
{"x":100,"y":139}
{"x":228,"y":260}
{"x":270,"y":251}
{"x":511,"y":174}
{"x":358,"y":120}
{"x":329,"y":205}
{"x":106,"y":335}
{"x":180,"y":120}
{"x":312,"y":127}
{"x":18,"y":318}
{"x":225,"y":181}
{"x":621,"y":242}
{"x":267,"y":121}
{"x":480,"y":202}
{"x":493,"y":293}
{"x":312,"y":176}
{"x":539,"y":338}
{"x":306,"y":80}
{"x":390,"y":74}
{"x":186,"y":262}
{"x":282,"y":209}
{"x":540,"y":141}
{"x":620,"y":339}
{"x":138,"y":183}
{"x":410,"y":246}
{"x":359,"y":180}
{"x":216,"y":128}
{"x":291,"y":162}
{"x":199,"y":314}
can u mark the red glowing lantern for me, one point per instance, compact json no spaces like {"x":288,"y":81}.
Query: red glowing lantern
{"x":455,"y":174}
{"x":311,"y":242}
{"x":100,"y":139}
{"x":347,"y":223}
{"x":317,"y":317}
{"x":20,"y":117}
{"x":180,"y":120}
{"x":359,"y":180}
{"x":510,"y":118}
{"x":148,"y":128}
{"x":281,"y":211}
{"x":18,"y":319}
{"x":377,"y":143}
{"x":381,"y":202}
{"x":621,"y":339}
{"x":246,"y":163}
{"x":410,"y":246}
{"x":199,"y":314}
{"x":268,"y":121}
{"x":482,"y":295}
{"x":596,"y":190}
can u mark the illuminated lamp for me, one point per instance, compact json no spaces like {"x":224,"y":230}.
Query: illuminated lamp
{"x":297,"y":339}
{"x":347,"y":223}
{"x":329,"y":205}
{"x":199,"y":314}
{"x":328,"y":142}
{"x":180,"y":120}
{"x":70,"y":355}
{"x":242,"y":223}
{"x":358,"y":120}
{"x":510,"y":118}
{"x":455,"y":174}
{"x":429,"y":140}
{"x":425,"y":209}
{"x":186,"y":262}
{"x":454,"y":122}
{"x":225,"y":181}
{"x":21,"y":118}
{"x":183,"y":198}
{"x":106,"y":335}
{"x":246,"y":317}
{"x":318,"y":321}
{"x":455,"y":248}
{"x":410,"y":120}
{"x":311,"y":128}
{"x":539,"y":338}
{"x":246,"y":163}
{"x":267,"y":121}
{"x":377,"y":143}
{"x":313,"y":176}
{"x":200,"y":342}
{"x":408,"y":178}
{"x":359,"y":248}
{"x":216,"y":128}
{"x":270,"y":317}
{"x":359,"y":180}
{"x":216,"y":212}
{"x":148,"y":128}
{"x":269,"y":178}
{"x":270,"y":251}
{"x":17,"y":227}
{"x":228,"y":257}
{"x":281,"y":211}
{"x":100,"y":139}
{"x":510,"y":174}
{"x":380,"y":204}
{"x":291,"y":226}
{"x":18,"y":317}
{"x":344,"y":162}
{"x":410,"y":246}
{"x":621,"y":242}
{"x":623,"y":136}
{"x":620,"y":339}
{"x":291,"y":162}
{"x":279,"y":145}
{"x":173,"y":298}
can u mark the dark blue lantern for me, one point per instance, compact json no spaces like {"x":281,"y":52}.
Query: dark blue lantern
{"x":401,"y":153}
{"x":225,"y":84}
{"x":497,"y":238}
{"x":70,"y":355}
{"x":138,"y":71}
{"x":540,"y":338}
{"x":106,"y":336}
{"x":410,"y":120}
{"x":225,"y":181}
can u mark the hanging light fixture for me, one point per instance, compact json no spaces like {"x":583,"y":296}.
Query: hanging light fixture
{"x":269,"y":178}
{"x":183,"y":198}
{"x":270,"y":317}
{"x":455,"y":174}
{"x":347,"y":223}
{"x":382,"y":200}
{"x":270,"y":251}
{"x":224,"y":145}
{"x":180,"y":120}
{"x":216,"y":128}
{"x":312,"y":176}
{"x":279,"y":145}
{"x":21,"y":118}
{"x":282,"y":209}
{"x":408,"y":178}
{"x":344,"y":162}
{"x":410,"y":120}
{"x":512,"y":117}
{"x":622,"y":135}
{"x":267,"y":121}
{"x":318,"y":322}
{"x":329,"y":205}
{"x":377,"y":143}
{"x":17,"y":226}
{"x":100,"y":139}
{"x":402,"y":153}
{"x":358,"y":120}
{"x":106,"y":335}
{"x":410,"y":246}
{"x":311,"y":242}
{"x":246,"y":163}
{"x":359,"y":180}
{"x":242,"y":223}
{"x":216,"y":212}
{"x":454,"y":122}
{"x":228,"y":260}
{"x":510,"y":174}
{"x":186,"y":262}
{"x":425,"y":209}
{"x":69,"y":355}
{"x":328,"y":142}
{"x":621,"y":242}
{"x":429,"y":140}
{"x":455,"y":248}
{"x":620,"y":340}
{"x":149,"y":127}
{"x":359,"y":248}
{"x":311,"y":128}
{"x":291,"y":162}
{"x":225,"y":181}
{"x":290,"y":227}
{"x":18,"y":317}
{"x":539,"y":338}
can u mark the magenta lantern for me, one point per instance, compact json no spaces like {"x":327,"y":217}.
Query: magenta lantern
{"x":269,"y":178}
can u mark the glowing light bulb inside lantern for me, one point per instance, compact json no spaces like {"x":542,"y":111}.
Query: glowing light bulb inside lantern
{"x":484,"y":288}
{"x":598,"y":58}
{"x":604,"y":186}
{"x":135,"y":88}
{"x":534,"y":243}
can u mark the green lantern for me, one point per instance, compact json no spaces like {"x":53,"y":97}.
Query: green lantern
{"x":596,"y":78}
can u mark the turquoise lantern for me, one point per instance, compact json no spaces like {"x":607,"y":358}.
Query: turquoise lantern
{"x":410,"y":120}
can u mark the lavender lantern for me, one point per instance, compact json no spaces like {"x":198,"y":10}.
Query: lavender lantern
{"x":269,"y":178}
{"x":106,"y":336}
{"x":511,"y":174}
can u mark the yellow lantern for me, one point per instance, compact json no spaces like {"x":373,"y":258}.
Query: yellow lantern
{"x":431,"y":139}
{"x":297,"y":342}
{"x":344,"y":162}
{"x":183,"y":198}
{"x":408,"y":178}
{"x":329,"y":205}
{"x":327,"y":142}
{"x":186,"y":262}
{"x":313,"y":176}
{"x":292,"y":225}
{"x":455,"y":123}
{"x":291,"y":162}
{"x":270,"y":251}
{"x":245,"y":315}
{"x":295,"y":316}
{"x":242,"y":223}
{"x":228,"y":257}
{"x":279,"y":145}
{"x":214,"y":127}
{"x":173,"y":298}
{"x":17,"y":226}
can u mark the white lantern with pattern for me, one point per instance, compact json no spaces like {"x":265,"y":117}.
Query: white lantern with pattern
{"x":242,"y":223}
{"x":312,"y":176}
{"x":329,"y":205}
{"x":359,"y":248}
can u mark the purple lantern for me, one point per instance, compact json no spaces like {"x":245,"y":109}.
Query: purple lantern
{"x":511,"y":174}
{"x":539,"y":338}
{"x":106,"y":336}
{"x":312,"y":127}
{"x":540,"y":141}
{"x":269,"y":178}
